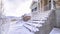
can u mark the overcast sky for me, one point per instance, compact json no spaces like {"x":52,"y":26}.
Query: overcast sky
{"x":16,"y":7}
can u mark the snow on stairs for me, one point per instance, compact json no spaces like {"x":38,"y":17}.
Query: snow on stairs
{"x":33,"y":25}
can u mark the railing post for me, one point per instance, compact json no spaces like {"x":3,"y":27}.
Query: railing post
{"x":52,"y":7}
{"x":40,"y":4}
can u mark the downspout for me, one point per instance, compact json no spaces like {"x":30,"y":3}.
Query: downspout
{"x":2,"y":8}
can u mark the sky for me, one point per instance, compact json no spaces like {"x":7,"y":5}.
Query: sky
{"x":16,"y":7}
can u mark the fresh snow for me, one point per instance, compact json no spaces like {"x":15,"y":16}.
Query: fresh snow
{"x":55,"y":31}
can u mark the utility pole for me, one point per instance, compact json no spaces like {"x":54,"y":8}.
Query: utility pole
{"x":1,"y":8}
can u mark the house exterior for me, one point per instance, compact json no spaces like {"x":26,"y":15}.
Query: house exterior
{"x":40,"y":12}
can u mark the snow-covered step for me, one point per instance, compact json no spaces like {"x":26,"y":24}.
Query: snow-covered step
{"x":39,"y":21}
{"x":43,"y":17}
{"x":55,"y":31}
{"x":34,"y":24}
{"x":34,"y":29}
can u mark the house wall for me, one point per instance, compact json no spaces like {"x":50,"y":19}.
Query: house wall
{"x":58,"y":2}
{"x":42,"y":4}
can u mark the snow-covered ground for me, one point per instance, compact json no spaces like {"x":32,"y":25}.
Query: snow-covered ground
{"x":16,"y":7}
{"x":55,"y":31}
{"x":19,"y":27}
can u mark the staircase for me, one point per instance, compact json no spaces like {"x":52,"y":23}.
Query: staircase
{"x":47,"y":19}
{"x":43,"y":24}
